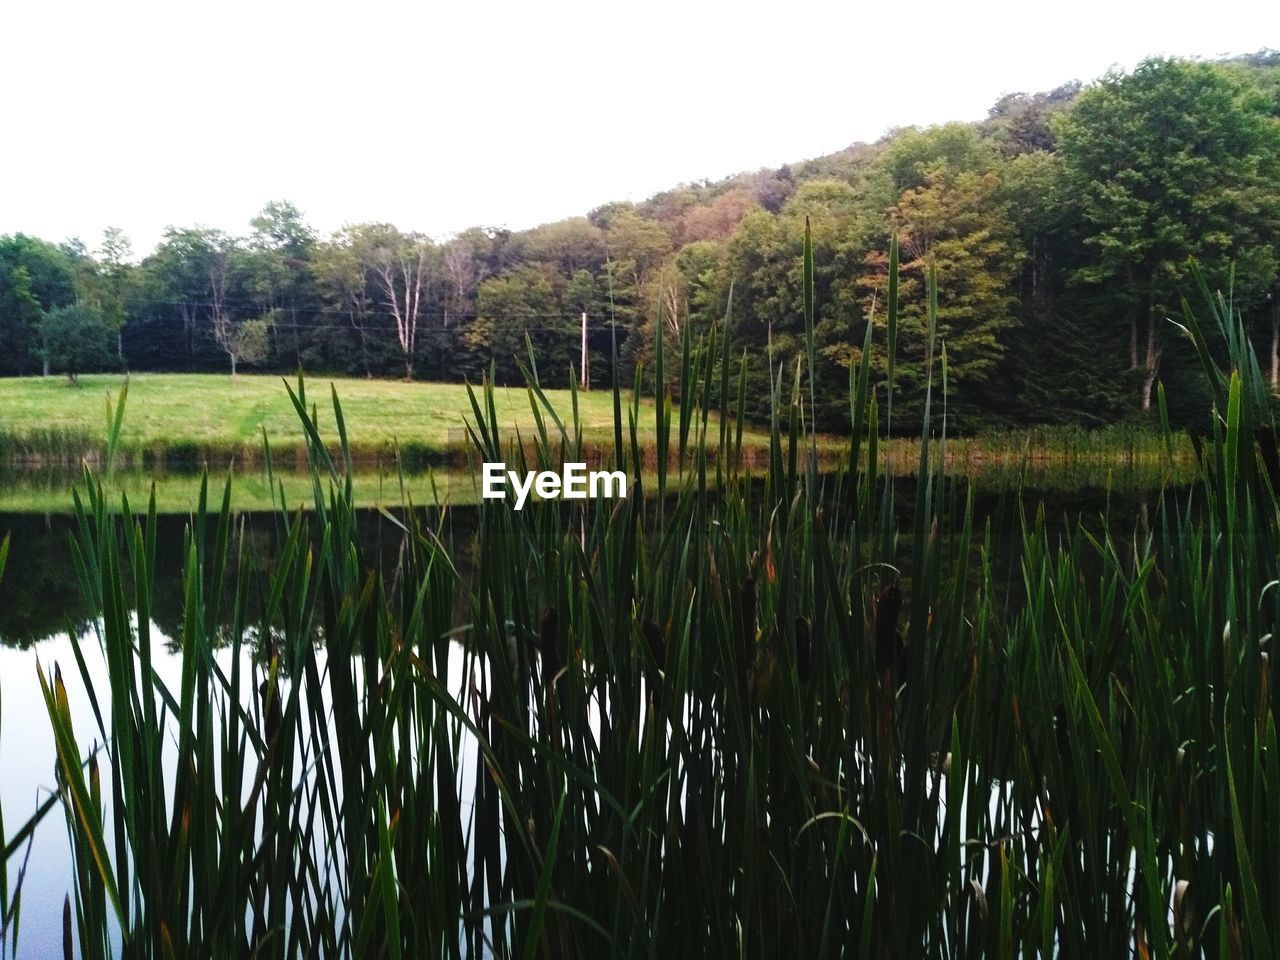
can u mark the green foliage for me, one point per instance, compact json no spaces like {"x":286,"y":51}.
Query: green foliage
{"x":1021,"y":124}
{"x":637,"y":249}
{"x":252,"y":340}
{"x":1175,"y":161}
{"x":35,"y":276}
{"x":954,"y":222}
{"x":116,"y":277}
{"x":914,"y":155}
{"x":75,"y":339}
{"x":572,"y":245}
{"x":519,"y":304}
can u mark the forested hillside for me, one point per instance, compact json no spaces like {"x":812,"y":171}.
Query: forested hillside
{"x":1062,"y":227}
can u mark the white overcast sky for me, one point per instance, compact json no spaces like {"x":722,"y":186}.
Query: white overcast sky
{"x":439,"y":116}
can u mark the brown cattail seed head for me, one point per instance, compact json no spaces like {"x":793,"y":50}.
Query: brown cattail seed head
{"x":1063,"y":734}
{"x":270,"y":710}
{"x":804,"y":651}
{"x":888,"y":607}
{"x":549,"y":642}
{"x":654,"y":640}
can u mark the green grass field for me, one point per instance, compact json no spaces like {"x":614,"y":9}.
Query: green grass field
{"x":184,"y":420}
{"x":203,"y":414}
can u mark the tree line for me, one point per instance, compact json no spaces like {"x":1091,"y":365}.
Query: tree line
{"x":1063,"y":228}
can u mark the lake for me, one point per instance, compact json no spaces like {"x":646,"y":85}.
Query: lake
{"x":42,"y":604}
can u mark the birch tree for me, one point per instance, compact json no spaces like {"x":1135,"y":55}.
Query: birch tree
{"x":399,"y":267}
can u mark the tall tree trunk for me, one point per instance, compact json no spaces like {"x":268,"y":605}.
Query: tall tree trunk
{"x":1133,"y":329}
{"x":1148,"y":387}
{"x":233,"y":366}
{"x":1152,"y":365}
{"x":1275,"y":346}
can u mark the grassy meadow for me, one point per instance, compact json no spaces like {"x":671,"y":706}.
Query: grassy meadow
{"x":801,"y":714}
{"x":181,"y":422}
{"x":200,"y":416}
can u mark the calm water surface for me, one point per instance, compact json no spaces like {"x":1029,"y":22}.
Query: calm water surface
{"x":41,"y":606}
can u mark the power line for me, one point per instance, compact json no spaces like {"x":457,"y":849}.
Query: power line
{"x":421,"y":331}
{"x":573,"y":315}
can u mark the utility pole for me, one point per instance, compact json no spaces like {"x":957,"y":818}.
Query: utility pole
{"x":584,"y":380}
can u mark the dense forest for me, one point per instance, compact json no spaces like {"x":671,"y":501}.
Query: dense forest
{"x":1063,"y":228}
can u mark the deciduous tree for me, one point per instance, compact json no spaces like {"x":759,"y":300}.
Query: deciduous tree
{"x":75,"y":339}
{"x":1174,"y":161}
{"x":399,"y":266}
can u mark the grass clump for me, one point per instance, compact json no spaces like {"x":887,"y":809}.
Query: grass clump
{"x":801,"y":715}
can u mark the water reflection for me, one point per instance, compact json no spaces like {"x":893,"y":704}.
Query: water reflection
{"x":41,"y":602}
{"x":27,"y":756}
{"x":40,"y":594}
